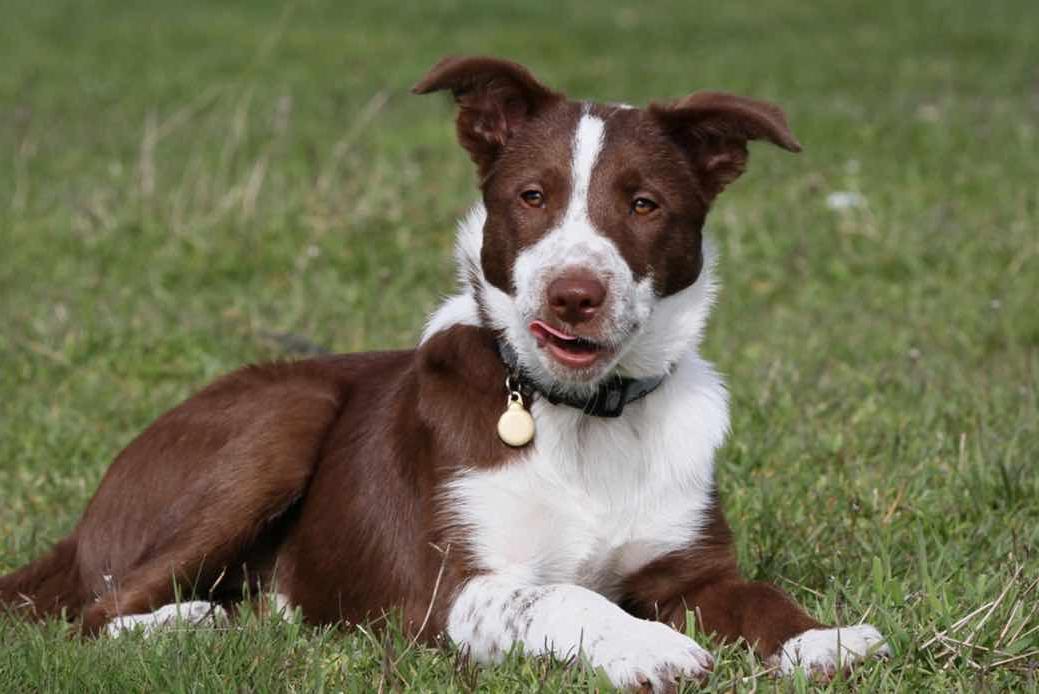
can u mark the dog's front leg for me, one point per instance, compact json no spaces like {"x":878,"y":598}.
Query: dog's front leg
{"x":492,"y":614}
{"x":780,"y":630}
{"x":764,"y":616}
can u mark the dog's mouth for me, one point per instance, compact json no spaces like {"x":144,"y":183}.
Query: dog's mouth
{"x":569,"y":350}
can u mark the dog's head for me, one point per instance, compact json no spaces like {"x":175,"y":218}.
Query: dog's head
{"x":591,"y":246}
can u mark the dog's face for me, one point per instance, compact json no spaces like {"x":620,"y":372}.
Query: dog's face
{"x":594,"y":215}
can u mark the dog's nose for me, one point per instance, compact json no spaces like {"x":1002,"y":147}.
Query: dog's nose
{"x":576,"y":297}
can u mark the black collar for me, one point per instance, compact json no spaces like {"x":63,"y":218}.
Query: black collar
{"x":608,"y":401}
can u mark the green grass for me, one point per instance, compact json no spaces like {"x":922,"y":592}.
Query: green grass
{"x":182,"y":180}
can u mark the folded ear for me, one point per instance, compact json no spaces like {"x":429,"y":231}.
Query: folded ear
{"x":714,"y":128}
{"x":495,"y":99}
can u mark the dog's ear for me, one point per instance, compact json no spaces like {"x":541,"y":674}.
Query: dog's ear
{"x":714,"y":128}
{"x":495,"y":99}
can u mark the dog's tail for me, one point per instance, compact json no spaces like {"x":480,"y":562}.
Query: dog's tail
{"x":45,"y":587}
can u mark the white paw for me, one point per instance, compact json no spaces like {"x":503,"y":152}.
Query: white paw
{"x":193,"y":613}
{"x":825,"y":651}
{"x":648,"y":653}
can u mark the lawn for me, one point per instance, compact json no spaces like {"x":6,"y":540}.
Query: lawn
{"x":191,"y":186}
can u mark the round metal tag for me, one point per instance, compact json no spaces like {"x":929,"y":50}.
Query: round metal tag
{"x":516,"y":426}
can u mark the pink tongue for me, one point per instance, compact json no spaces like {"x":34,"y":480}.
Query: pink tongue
{"x":542,"y":330}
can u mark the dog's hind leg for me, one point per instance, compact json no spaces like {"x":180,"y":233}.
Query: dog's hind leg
{"x":192,"y":613}
{"x":156,"y":585}
{"x":197,"y":495}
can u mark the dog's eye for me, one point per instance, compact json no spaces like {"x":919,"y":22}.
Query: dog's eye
{"x":533,"y":197}
{"x":643,"y":206}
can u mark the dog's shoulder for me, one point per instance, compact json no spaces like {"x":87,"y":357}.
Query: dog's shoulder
{"x":460,"y":393}
{"x":461,"y":356}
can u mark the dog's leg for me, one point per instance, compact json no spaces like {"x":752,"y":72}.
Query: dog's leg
{"x":191,"y":560}
{"x":780,"y":630}
{"x":782,"y":633}
{"x":492,"y":615}
{"x":214,"y":480}
{"x":704,"y":581}
{"x":826,"y":651}
{"x":192,"y":613}
{"x":151,"y":587}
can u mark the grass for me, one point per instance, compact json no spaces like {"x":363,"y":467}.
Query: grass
{"x":186,"y":182}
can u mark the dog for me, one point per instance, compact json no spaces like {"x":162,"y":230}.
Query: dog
{"x":537,"y":473}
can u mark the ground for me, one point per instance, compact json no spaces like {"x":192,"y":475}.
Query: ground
{"x":189,"y":184}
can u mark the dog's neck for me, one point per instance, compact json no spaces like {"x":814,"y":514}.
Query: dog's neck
{"x":607,"y":400}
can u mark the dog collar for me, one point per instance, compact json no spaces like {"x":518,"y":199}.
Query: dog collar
{"x":608,"y":400}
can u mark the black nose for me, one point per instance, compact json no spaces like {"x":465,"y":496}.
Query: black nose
{"x":576,"y":297}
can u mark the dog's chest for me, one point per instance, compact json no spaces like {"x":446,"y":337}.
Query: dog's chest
{"x":591,"y":502}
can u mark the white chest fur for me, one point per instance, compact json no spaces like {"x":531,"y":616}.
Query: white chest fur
{"x":595,"y":499}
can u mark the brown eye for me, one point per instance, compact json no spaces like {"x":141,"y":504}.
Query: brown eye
{"x":643,"y":206}
{"x":533,"y":197}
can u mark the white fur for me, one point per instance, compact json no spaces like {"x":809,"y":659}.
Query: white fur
{"x":492,"y":615}
{"x":594,"y":499}
{"x":587,"y":145}
{"x":674,"y":328}
{"x":456,"y":310}
{"x":652,"y":334}
{"x":282,"y":607}
{"x":828,"y":650}
{"x":574,"y":244}
{"x":460,"y":309}
{"x":190,"y":613}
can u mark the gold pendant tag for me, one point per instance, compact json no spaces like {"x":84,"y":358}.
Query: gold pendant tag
{"x":516,"y":426}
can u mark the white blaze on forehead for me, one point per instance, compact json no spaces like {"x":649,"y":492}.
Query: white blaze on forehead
{"x":587,"y":145}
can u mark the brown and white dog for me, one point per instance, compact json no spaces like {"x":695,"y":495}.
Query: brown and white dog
{"x":356,"y":485}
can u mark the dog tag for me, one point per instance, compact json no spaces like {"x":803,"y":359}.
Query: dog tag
{"x":516,"y":426}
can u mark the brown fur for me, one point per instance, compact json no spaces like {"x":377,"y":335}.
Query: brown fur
{"x":223,"y":487}
{"x":322,"y":478}
{"x":496,"y":100}
{"x":705,"y":580}
{"x":683,"y":154}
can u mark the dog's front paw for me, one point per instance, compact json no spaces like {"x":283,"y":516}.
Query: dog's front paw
{"x":649,"y":655}
{"x":822,"y":652}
